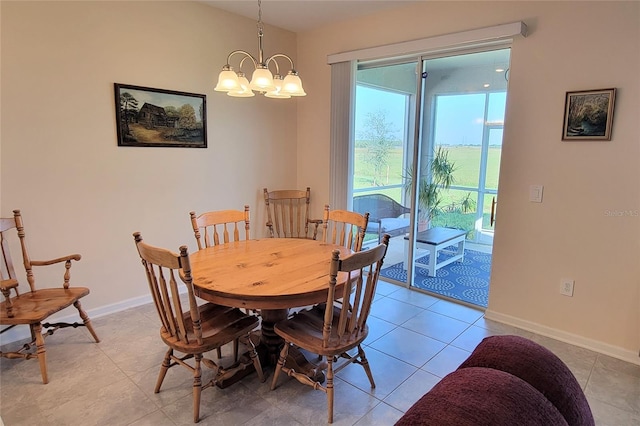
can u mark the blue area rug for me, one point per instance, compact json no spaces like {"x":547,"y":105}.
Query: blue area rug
{"x":467,"y":281}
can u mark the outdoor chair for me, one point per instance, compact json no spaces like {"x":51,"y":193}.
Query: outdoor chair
{"x":386,"y":216}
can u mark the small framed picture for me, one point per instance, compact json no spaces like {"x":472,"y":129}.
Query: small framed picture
{"x":157,"y":117}
{"x":588,"y":115}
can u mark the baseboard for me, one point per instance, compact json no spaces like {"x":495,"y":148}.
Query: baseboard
{"x":71,"y":315}
{"x":20,"y":333}
{"x":573,"y":339}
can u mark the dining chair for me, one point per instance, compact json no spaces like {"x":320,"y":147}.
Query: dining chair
{"x":288,"y":214}
{"x":214,"y":227}
{"x":344,"y":227}
{"x":192,"y":329}
{"x":220,"y":227}
{"x":331,"y":330}
{"x":33,"y":306}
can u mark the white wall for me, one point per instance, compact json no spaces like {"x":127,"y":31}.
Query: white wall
{"x":80,"y":192}
{"x":571,"y":46}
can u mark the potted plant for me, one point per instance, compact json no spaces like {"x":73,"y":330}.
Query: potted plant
{"x":435,"y":178}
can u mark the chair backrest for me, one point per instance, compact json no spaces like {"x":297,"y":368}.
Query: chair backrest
{"x":344,"y":227}
{"x":363,"y":270}
{"x":215,"y":226}
{"x":7,"y":224}
{"x":288,"y":213}
{"x":7,"y":269}
{"x":164,"y":269}
{"x":379,"y":206}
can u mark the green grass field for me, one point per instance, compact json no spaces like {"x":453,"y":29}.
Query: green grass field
{"x":467,"y":170}
{"x":465,"y":158}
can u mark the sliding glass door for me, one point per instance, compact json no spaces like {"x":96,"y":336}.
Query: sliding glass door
{"x":443,"y":134}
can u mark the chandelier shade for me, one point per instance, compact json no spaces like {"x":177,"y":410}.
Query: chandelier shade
{"x":243,"y":91}
{"x":262,"y":80}
{"x":227,"y":80}
{"x":277,"y":92}
{"x":293,"y":85}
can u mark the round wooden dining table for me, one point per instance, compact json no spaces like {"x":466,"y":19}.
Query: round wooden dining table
{"x":271,"y":274}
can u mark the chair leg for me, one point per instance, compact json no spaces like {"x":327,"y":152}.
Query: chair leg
{"x":283,"y":356}
{"x":197,"y":388}
{"x":256,"y":360}
{"x":330,"y":388}
{"x":219,"y":352}
{"x":36,"y":332}
{"x":86,"y":320}
{"x":166,"y":363}
{"x":235,"y":349}
{"x":365,"y":364}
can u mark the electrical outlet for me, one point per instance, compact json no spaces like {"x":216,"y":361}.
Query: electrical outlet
{"x":566,"y":287}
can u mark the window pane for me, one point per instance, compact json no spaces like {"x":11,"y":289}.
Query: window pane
{"x":459,"y":123}
{"x":379,"y":132}
{"x":493,"y":159}
{"x":457,"y":209}
{"x":497,"y":103}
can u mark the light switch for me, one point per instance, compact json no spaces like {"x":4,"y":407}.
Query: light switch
{"x":535,"y":193}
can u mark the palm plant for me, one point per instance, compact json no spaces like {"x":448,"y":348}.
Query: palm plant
{"x":438,"y":176}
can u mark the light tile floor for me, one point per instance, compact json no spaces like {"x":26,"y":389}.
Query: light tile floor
{"x":415,"y":340}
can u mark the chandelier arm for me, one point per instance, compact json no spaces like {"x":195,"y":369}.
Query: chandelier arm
{"x":247,"y":55}
{"x":269,"y":60}
{"x":242,"y":63}
{"x":280,"y":55}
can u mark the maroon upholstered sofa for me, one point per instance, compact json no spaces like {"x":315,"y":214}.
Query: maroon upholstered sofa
{"x":507,"y":380}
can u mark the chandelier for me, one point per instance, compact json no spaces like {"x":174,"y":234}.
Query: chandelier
{"x":262,"y":80}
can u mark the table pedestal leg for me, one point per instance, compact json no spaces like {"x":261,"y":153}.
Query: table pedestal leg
{"x":269,"y":347}
{"x":268,"y":337}
{"x":296,"y":359}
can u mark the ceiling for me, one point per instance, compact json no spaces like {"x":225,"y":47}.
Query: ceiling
{"x":302,"y":15}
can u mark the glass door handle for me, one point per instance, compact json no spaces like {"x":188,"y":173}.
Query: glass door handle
{"x":493,"y":211}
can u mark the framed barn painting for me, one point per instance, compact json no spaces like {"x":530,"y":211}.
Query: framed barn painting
{"x":588,"y":115}
{"x":157,"y":117}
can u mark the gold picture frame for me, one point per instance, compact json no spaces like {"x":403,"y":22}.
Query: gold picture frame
{"x":588,"y":115}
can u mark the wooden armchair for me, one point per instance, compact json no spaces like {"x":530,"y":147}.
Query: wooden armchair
{"x":288,"y":214}
{"x":35,"y":305}
{"x":344,"y":227}
{"x":330,"y":330}
{"x":196,"y":329}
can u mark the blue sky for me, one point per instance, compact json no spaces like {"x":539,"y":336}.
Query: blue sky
{"x":370,"y":100}
{"x":459,"y":118}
